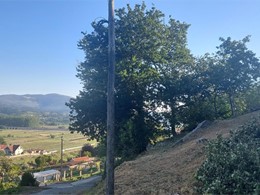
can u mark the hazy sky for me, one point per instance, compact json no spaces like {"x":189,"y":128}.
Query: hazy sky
{"x":38,"y":38}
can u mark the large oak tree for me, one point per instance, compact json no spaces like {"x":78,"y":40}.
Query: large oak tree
{"x":148,"y":50}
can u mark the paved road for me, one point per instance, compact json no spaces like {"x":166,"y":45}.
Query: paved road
{"x":70,"y":188}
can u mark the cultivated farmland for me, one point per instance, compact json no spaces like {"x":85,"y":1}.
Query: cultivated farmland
{"x":49,"y":140}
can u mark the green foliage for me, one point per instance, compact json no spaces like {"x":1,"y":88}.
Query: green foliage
{"x":9,"y":188}
{"x":231,"y":71}
{"x":9,"y":174}
{"x":19,"y":121}
{"x":86,"y":153}
{"x":2,"y":153}
{"x":101,"y":149}
{"x":28,"y":180}
{"x":145,"y":44}
{"x":159,"y":84}
{"x":52,"y":136}
{"x":2,"y":140}
{"x":232,"y":164}
{"x":54,"y":118}
{"x":252,"y":99}
{"x":43,"y":160}
{"x":88,"y":150}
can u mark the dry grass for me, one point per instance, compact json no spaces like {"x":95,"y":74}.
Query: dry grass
{"x":170,"y":170}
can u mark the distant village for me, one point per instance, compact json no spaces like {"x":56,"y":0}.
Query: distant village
{"x":14,"y":150}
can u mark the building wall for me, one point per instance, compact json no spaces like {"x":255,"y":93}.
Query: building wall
{"x":18,"y":151}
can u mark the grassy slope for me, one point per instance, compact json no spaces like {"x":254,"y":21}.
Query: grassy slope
{"x":167,"y":169}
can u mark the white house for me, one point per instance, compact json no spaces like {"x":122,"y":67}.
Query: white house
{"x":44,"y":176}
{"x":11,"y":149}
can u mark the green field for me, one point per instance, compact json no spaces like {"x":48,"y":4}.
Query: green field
{"x":44,"y":139}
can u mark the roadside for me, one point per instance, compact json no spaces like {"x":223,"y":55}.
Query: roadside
{"x":76,"y":187}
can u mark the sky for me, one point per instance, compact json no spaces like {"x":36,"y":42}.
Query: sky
{"x":38,"y":38}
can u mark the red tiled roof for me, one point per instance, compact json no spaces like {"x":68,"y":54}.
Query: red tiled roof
{"x":2,"y":146}
{"x":79,"y":160}
{"x":13,"y":148}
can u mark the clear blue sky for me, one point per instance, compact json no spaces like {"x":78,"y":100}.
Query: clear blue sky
{"x":38,"y":38}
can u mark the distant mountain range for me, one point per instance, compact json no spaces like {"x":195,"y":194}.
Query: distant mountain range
{"x":15,"y":104}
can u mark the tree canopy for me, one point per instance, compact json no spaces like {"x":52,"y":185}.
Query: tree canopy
{"x":237,"y":68}
{"x":144,"y":49}
{"x":159,"y":84}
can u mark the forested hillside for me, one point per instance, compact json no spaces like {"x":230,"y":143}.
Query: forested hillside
{"x":16,"y":104}
{"x":33,"y":110}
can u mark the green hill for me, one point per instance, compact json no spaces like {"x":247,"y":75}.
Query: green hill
{"x":16,"y":104}
{"x":20,"y":110}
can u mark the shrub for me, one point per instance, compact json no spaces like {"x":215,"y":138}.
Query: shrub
{"x":86,"y":153}
{"x":2,"y":140}
{"x":8,"y":188}
{"x":28,"y":180}
{"x":87,"y":150}
{"x":232,"y":164}
{"x":52,"y":136}
{"x":9,"y":135}
{"x":2,"y":153}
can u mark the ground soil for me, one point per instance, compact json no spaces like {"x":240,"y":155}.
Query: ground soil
{"x":169,"y":168}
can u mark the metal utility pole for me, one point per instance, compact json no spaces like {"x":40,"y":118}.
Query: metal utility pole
{"x":110,"y":101}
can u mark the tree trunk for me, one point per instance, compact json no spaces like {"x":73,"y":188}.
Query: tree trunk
{"x":71,"y":174}
{"x":215,"y":105}
{"x":231,"y":102}
{"x":173,"y":121}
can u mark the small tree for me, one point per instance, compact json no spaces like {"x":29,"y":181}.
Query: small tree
{"x":239,"y":68}
{"x":44,"y":160}
{"x":2,"y":140}
{"x":9,"y":174}
{"x":28,"y":180}
{"x":87,"y":150}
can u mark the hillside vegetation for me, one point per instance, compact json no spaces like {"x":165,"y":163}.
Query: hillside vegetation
{"x":169,"y":168}
{"x":33,"y":110}
{"x":16,"y":104}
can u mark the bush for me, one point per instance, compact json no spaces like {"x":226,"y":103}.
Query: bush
{"x":86,"y":153}
{"x":52,"y":136}
{"x":232,"y":164}
{"x":9,"y":188}
{"x":2,"y":140}
{"x":43,"y":160}
{"x":2,"y":153}
{"x":87,"y":150}
{"x":28,"y":180}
